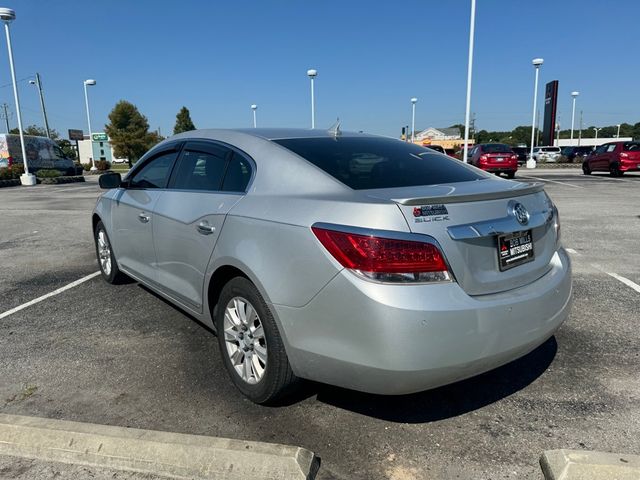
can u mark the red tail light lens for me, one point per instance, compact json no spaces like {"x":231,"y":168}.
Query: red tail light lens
{"x":514,"y":157}
{"x":484,"y":158}
{"x":385,"y":259}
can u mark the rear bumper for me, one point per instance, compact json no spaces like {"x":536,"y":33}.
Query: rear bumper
{"x":629,"y":166}
{"x":390,"y":339}
{"x":499,"y":168}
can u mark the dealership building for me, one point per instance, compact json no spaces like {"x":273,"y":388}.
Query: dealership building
{"x":448,"y":138}
{"x":97,"y":148}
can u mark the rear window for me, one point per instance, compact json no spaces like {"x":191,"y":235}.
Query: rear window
{"x":631,"y":147}
{"x":371,"y":162}
{"x":551,"y":149}
{"x":496,"y":148}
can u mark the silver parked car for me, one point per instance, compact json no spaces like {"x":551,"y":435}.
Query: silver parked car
{"x":547,"y":154}
{"x":344,"y":258}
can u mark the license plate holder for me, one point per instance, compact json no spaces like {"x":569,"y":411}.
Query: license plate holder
{"x":515,"y":249}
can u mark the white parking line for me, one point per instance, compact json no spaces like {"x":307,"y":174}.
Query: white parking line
{"x":624,"y":280}
{"x":572,"y":251}
{"x":48,"y":295}
{"x":552,"y":181}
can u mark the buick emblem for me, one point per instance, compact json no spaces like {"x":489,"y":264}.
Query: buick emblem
{"x":521,"y":213}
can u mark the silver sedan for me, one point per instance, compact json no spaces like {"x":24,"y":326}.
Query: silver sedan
{"x":344,"y":258}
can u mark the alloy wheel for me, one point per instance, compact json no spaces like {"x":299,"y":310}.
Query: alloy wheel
{"x":104,"y":252}
{"x":245,"y":340}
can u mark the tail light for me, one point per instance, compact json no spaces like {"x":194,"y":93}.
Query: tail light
{"x":624,"y":155}
{"x":484,"y":158}
{"x":514,"y":157}
{"x":388,"y":260}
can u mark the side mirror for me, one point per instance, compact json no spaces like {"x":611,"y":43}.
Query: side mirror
{"x":110,"y":180}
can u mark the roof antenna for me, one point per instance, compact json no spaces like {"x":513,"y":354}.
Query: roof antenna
{"x":335,"y":129}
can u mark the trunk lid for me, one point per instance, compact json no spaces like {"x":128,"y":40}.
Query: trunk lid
{"x":467,"y":218}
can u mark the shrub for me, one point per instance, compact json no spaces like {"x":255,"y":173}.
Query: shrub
{"x":14,"y":171}
{"x":103,"y":165}
{"x":47,"y":173}
{"x":86,"y":167}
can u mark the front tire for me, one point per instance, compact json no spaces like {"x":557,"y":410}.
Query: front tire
{"x":250,"y":344}
{"x":106,"y":259}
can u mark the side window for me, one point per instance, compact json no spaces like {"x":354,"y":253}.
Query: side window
{"x":238,"y":174}
{"x":201,"y":167}
{"x":155,"y":173}
{"x":611,"y":148}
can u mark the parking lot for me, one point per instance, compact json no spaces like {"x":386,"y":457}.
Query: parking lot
{"x":120,"y":355}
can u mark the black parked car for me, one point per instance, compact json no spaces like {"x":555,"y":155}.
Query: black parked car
{"x":523,"y":153}
{"x":576,"y":154}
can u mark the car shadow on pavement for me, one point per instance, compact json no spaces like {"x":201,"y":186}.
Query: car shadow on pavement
{"x":450,"y":400}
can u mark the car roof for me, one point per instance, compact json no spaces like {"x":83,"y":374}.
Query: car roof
{"x":268,"y":133}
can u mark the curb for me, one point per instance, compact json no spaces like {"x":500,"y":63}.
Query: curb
{"x":60,"y":180}
{"x":10,"y":183}
{"x":167,"y":454}
{"x":589,"y":465}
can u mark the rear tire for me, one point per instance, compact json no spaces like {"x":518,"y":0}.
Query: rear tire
{"x":251,"y":347}
{"x":511,"y":174}
{"x":614,"y":170}
{"x":585,"y":168}
{"x":106,"y":259}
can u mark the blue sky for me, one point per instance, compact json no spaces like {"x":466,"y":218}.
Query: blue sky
{"x":218,"y":58}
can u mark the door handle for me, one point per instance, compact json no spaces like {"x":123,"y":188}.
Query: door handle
{"x":205,"y":229}
{"x":143,"y":217}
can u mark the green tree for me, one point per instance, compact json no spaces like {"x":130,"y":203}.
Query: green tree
{"x":128,"y":132}
{"x":67,"y":148}
{"x":183,"y":121}
{"x":36,"y":131}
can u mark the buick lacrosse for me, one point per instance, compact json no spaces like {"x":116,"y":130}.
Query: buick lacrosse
{"x":350,"y":259}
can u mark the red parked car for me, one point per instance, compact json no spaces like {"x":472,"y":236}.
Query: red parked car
{"x":615,"y":158}
{"x":494,"y":157}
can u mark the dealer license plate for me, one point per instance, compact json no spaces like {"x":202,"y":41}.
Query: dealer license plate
{"x":515,"y":249}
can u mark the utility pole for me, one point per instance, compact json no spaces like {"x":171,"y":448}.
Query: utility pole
{"x":5,"y":115}
{"x":580,"y":132}
{"x":38,"y":84}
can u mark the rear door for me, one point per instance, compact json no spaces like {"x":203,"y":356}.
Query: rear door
{"x":132,"y":214}
{"x":209,"y":179}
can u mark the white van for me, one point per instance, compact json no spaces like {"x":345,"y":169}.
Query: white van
{"x":42,"y":154}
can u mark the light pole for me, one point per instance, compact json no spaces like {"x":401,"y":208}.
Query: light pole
{"x":597,"y":130}
{"x":574,"y":95}
{"x":558,"y":136}
{"x":467,"y":112}
{"x":312,"y":74}
{"x":89,"y":83}
{"x":531,"y":163}
{"x":618,"y":134}
{"x":38,"y":84}
{"x":254,"y":107}
{"x":414,"y":100}
{"x":7,"y":16}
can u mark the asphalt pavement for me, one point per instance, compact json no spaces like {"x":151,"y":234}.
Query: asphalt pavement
{"x":119,"y":355}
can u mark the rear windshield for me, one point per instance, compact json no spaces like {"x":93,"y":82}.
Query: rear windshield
{"x":372,"y":162}
{"x":550,"y":149}
{"x":496,"y":148}
{"x":631,"y":147}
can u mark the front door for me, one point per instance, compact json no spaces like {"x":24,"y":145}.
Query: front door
{"x":190,"y":214}
{"x":132,"y":216}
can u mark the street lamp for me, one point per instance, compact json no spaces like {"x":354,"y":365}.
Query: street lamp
{"x":254,"y":107}
{"x":38,"y":84}
{"x":467,"y":112}
{"x":537,"y":62}
{"x":7,"y":16}
{"x":574,"y":95}
{"x":597,"y":130}
{"x":618,"y":134}
{"x":414,"y":100}
{"x":558,"y":136}
{"x":89,"y":83}
{"x":312,"y":74}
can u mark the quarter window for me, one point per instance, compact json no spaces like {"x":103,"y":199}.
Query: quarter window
{"x":201,"y":169}
{"x":238,"y":174}
{"x":611,"y":148}
{"x":155,"y":173}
